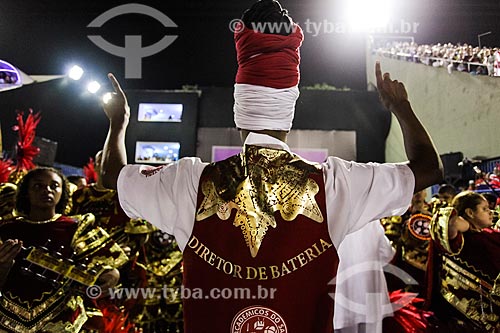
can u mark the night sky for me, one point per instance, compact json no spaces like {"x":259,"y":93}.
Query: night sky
{"x":44,"y":37}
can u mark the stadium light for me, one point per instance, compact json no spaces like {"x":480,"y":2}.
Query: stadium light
{"x":366,"y":15}
{"x":106,"y":98}
{"x":76,"y":72}
{"x":93,"y":87}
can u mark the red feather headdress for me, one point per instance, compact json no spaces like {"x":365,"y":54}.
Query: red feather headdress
{"x":25,"y":151}
{"x":6,"y":168}
{"x":89,"y":171}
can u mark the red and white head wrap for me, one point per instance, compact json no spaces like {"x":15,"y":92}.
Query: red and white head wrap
{"x":267,"y":80}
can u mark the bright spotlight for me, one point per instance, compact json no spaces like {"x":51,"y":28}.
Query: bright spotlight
{"x":106,"y":98}
{"x":75,"y":73}
{"x":93,"y":87}
{"x":366,"y":15}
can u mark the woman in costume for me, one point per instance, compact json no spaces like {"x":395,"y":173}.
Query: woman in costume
{"x":468,"y":267}
{"x":40,"y":293}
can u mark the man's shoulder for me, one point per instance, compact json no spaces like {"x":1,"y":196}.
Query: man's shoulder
{"x":150,"y":170}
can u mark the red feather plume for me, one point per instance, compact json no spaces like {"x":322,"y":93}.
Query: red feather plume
{"x":6,"y":168}
{"x":115,"y":321}
{"x":411,"y":318}
{"x":89,"y":171}
{"x":25,"y":151}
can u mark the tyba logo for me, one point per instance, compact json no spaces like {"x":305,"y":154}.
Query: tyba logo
{"x":133,"y":52}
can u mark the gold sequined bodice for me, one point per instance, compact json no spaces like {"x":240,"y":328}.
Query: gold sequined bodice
{"x":257,"y":184}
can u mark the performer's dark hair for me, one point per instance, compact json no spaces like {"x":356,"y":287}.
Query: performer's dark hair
{"x":447,"y":188}
{"x":466,"y":199}
{"x":268,"y":11}
{"x":23,"y":204}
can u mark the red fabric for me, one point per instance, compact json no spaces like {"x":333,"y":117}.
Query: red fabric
{"x":456,"y":242}
{"x":481,"y":251}
{"x":267,"y":59}
{"x":432,"y":263}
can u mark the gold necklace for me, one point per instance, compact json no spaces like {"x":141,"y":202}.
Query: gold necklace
{"x":52,"y":219}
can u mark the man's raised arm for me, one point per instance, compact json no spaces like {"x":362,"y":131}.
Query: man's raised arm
{"x":114,"y":156}
{"x":423,"y":158}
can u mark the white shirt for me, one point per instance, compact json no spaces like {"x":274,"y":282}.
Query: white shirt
{"x":361,"y":294}
{"x":355,"y":192}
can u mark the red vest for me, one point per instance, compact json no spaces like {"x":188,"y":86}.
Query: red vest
{"x":284,"y":288}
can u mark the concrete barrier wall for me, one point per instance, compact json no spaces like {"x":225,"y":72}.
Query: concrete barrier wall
{"x":461,"y":111}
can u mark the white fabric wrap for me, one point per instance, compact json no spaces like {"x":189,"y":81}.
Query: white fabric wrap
{"x":264,"y":108}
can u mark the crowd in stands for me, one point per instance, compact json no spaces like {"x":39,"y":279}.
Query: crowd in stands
{"x":453,"y":57}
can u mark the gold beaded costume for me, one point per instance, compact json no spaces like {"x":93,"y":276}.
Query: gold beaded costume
{"x":157,"y":268}
{"x":45,"y":291}
{"x":155,"y":265}
{"x":468,"y":276}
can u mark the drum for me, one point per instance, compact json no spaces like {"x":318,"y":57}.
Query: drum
{"x":419,"y":226}
{"x":415,"y":240}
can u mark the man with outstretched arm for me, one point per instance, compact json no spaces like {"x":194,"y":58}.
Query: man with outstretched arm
{"x":184,"y":176}
{"x":265,"y":221}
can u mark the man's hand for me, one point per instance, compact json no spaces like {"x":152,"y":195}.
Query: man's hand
{"x":116,"y":108}
{"x":114,"y":155}
{"x":392,"y":93}
{"x":423,"y":158}
{"x":8,"y":251}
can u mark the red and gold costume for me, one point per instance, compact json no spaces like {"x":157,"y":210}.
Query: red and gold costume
{"x":468,"y":271}
{"x":158,"y":266}
{"x":410,"y":234}
{"x":36,"y":299}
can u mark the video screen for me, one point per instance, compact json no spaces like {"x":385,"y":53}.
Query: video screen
{"x":156,"y":152}
{"x":156,"y":112}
